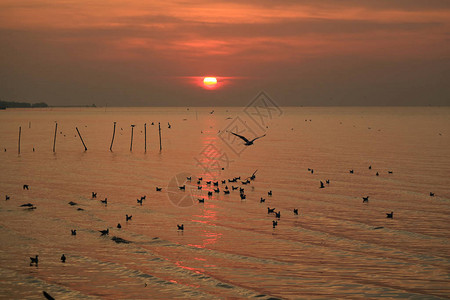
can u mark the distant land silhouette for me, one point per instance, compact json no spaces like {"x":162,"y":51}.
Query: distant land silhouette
{"x":8,"y":104}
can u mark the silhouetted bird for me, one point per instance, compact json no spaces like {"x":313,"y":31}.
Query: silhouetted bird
{"x":183,"y":187}
{"x":168,"y":125}
{"x":247,"y":142}
{"x":226,"y":192}
{"x":139,"y":201}
{"x":295,"y":211}
{"x":180,"y":227}
{"x":158,"y":189}
{"x":327,"y":181}
{"x":270,"y":210}
{"x":104,"y":201}
{"x":390,"y":172}
{"x":201,"y":200}
{"x":34,"y":260}
{"x":262,"y":200}
{"x":210,"y":193}
{"x":365,"y":199}
{"x":128,"y":217}
{"x":74,"y":231}
{"x":431,"y":194}
{"x":200,"y":178}
{"x":216,"y":183}
{"x":223,"y":181}
{"x":208,"y":183}
{"x":377,"y":174}
{"x":6,"y":197}
{"x":278,"y":214}
{"x":390,"y":215}
{"x":370,"y":167}
{"x":104,"y":232}
{"x":243,"y":196}
{"x":234,"y":188}
{"x":27,"y":205}
{"x":119,"y":226}
{"x":274,"y":224}
{"x":351,"y":171}
{"x":71,"y":203}
{"x":321,"y":185}
{"x":25,"y":187}
{"x":94,"y":195}
{"x":269,"y":193}
{"x":63,"y":258}
{"x":216,"y":190}
{"x":199,"y":187}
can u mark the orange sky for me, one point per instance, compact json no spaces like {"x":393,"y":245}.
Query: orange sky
{"x":130,"y":53}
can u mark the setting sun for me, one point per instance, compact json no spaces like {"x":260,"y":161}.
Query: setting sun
{"x":210,"y":81}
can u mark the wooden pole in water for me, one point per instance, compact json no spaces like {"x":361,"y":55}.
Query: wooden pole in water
{"x":159,"y":126}
{"x":20,"y":131}
{"x":131,"y":145}
{"x":54,"y":139}
{"x":145,"y":137}
{"x":85,"y":148}
{"x":114,"y":133}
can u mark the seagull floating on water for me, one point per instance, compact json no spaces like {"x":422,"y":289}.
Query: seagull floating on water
{"x":247,"y":142}
{"x":34,"y":260}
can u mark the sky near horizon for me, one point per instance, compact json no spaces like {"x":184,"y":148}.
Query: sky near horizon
{"x":145,"y":53}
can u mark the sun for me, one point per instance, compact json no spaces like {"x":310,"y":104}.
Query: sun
{"x":210,"y":82}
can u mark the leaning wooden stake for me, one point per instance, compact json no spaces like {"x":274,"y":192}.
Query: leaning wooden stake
{"x":131,"y":145}
{"x":54,"y":139}
{"x":20,"y":130}
{"x":114,"y":133}
{"x":85,"y":148}
{"x":159,"y":126}
{"x":145,"y":137}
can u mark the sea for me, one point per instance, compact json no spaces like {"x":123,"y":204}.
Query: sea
{"x":337,"y":246}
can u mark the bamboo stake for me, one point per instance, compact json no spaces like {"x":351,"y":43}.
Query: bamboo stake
{"x":159,"y":126}
{"x":20,"y":131}
{"x":131,"y":145}
{"x":85,"y":148}
{"x":54,"y":139}
{"x":114,"y":133}
{"x":145,"y":137}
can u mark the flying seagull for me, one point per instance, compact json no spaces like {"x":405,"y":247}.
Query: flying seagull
{"x":247,"y":142}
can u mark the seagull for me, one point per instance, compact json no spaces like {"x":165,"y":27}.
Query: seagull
{"x":74,"y":231}
{"x":247,"y":142}
{"x":34,"y":260}
{"x":180,"y":227}
{"x":390,"y":215}
{"x":63,"y":258}
{"x":365,"y":199}
{"x":295,"y":211}
{"x":128,"y":217}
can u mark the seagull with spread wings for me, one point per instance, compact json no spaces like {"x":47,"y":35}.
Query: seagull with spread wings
{"x":247,"y":142}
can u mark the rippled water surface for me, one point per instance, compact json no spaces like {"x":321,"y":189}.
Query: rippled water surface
{"x":336,"y":247}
